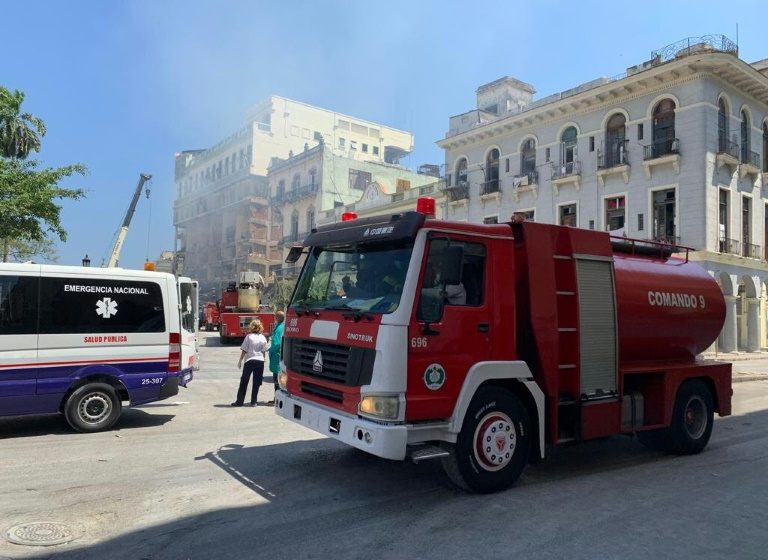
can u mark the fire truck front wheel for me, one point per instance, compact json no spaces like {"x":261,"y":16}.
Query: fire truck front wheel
{"x":493,"y":446}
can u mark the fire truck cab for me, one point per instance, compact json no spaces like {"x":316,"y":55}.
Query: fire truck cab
{"x":480,"y":345}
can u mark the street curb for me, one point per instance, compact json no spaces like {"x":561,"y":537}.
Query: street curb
{"x":737,"y":378}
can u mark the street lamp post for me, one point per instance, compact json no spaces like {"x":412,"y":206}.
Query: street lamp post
{"x":86,"y":261}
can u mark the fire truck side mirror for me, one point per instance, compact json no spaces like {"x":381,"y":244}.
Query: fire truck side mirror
{"x":294,"y":254}
{"x":452,"y":263}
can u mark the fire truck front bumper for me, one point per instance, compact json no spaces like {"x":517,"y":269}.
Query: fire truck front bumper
{"x":383,"y":440}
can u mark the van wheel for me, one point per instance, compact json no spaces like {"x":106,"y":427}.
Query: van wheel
{"x":93,"y":408}
{"x":493,"y":446}
{"x":692,"y":421}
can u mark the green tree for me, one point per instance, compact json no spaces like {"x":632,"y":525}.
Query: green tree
{"x":20,"y":250}
{"x":29,"y":212}
{"x":20,"y":133}
{"x":28,"y":202}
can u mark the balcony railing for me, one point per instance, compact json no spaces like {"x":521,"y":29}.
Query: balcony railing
{"x":751,"y":251}
{"x":295,"y":194}
{"x":566,"y":169}
{"x":489,"y":187}
{"x":729,"y":246}
{"x":525,"y":178}
{"x":661,"y":148}
{"x":612,"y":158}
{"x":750,"y":158}
{"x":666,"y":238}
{"x":725,"y":146}
{"x":292,"y":238}
{"x":454,"y":194}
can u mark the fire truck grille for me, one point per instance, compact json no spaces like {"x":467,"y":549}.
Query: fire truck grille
{"x":330,"y":362}
{"x":330,"y":394}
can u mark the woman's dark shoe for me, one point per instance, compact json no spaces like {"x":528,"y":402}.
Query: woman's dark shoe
{"x":236,"y":404}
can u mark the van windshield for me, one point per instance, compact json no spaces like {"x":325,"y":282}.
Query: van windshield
{"x":359,"y":277}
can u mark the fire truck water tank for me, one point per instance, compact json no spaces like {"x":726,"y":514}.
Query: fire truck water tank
{"x":667,"y":309}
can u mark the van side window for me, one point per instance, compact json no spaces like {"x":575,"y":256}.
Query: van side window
{"x":18,"y":304}
{"x":85,"y":305}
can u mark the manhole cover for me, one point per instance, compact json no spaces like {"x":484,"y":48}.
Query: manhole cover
{"x":41,"y":533}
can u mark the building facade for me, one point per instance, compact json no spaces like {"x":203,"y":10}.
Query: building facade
{"x":222,"y":202}
{"x":313,"y":187}
{"x":675,"y":151}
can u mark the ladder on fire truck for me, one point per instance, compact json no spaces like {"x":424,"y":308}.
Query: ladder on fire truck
{"x":567,"y":304}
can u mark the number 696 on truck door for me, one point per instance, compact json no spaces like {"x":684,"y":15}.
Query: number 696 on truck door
{"x":419,"y":342}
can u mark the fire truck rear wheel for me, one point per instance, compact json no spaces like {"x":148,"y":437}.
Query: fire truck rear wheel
{"x":493,"y":446}
{"x":692,"y":420}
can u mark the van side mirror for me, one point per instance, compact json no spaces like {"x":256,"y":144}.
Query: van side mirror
{"x":452,"y":264}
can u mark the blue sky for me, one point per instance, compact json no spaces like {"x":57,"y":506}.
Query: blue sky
{"x":124,"y":85}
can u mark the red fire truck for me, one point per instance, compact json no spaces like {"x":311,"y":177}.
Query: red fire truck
{"x":481,"y":345}
{"x":210,"y":317}
{"x":240,"y":304}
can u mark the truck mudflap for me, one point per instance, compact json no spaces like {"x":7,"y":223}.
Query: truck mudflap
{"x":383,"y":440}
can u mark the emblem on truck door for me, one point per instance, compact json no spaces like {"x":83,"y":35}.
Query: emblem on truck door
{"x":317,"y":363}
{"x":434,"y":376}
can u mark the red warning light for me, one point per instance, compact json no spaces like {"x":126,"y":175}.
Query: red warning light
{"x":348,"y":216}
{"x":426,"y":205}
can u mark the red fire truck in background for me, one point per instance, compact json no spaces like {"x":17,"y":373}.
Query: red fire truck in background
{"x":209,"y":319}
{"x":240,"y":304}
{"x":481,"y":345}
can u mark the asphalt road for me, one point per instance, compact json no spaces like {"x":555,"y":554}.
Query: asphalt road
{"x":194,"y":478}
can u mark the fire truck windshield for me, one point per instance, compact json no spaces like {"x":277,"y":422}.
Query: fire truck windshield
{"x":359,"y":277}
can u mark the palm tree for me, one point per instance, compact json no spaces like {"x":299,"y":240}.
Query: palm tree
{"x":20,"y":133}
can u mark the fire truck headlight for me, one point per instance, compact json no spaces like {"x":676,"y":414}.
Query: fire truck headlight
{"x":282,"y":380}
{"x":380,"y":406}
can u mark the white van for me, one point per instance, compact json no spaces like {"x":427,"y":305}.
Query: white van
{"x":81,"y":340}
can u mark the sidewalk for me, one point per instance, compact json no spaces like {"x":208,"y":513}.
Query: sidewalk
{"x":747,"y":366}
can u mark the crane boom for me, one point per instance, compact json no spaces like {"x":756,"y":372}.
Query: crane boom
{"x":113,"y":258}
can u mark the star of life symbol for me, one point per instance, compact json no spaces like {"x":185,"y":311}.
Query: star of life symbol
{"x":501,"y":443}
{"x":106,"y":307}
{"x":317,"y":363}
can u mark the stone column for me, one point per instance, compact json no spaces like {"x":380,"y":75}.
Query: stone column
{"x":728,"y":335}
{"x":753,"y":325}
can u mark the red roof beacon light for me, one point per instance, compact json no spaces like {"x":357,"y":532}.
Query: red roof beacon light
{"x":348,"y":216}
{"x":426,"y":205}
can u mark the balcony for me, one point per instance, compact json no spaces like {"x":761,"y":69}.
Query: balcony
{"x":730,"y":246}
{"x":489,"y":190}
{"x":457,"y":195}
{"x":666,"y":238}
{"x":568,"y":172}
{"x":526,"y":181}
{"x":293,"y":195}
{"x":661,"y":152}
{"x":613,"y":162}
{"x":751,"y":251}
{"x":489,"y":187}
{"x":727,"y":153}
{"x":750,"y":164}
